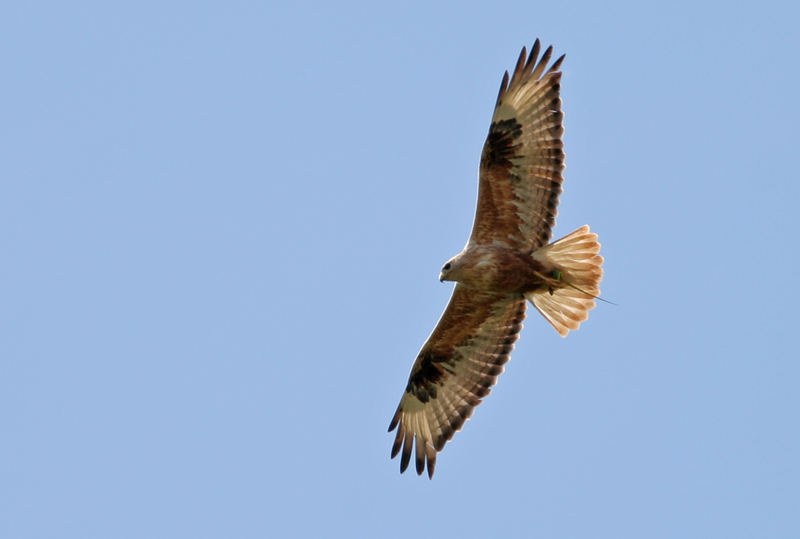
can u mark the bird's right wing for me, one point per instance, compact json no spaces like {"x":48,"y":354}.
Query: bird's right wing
{"x":523,"y":157}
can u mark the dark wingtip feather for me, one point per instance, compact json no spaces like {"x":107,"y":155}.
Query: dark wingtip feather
{"x":532,"y":57}
{"x":395,"y":420}
{"x":537,"y":46}
{"x":520,"y":61}
{"x":503,"y":88}
{"x":398,"y":440}
{"x":420,"y":456}
{"x":537,"y":72}
{"x":557,"y":63}
{"x":430,"y":454}
{"x":406,"y":457}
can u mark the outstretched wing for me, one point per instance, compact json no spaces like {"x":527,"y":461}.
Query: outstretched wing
{"x":522,"y":159}
{"x":455,"y":369}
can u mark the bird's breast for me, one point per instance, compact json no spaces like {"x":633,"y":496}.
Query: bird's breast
{"x":499,"y":269}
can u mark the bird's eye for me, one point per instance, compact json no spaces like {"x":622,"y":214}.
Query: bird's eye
{"x":446,"y":266}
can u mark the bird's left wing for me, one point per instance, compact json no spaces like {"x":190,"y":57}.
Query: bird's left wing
{"x":455,"y":369}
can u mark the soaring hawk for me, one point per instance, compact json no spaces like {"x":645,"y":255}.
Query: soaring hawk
{"x":506,"y":262}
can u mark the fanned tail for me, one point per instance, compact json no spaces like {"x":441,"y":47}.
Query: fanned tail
{"x":573,"y":283}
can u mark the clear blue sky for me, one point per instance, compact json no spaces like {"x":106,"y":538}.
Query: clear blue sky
{"x":221,"y":227}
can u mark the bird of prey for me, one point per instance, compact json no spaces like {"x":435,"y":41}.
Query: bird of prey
{"x":506,"y":262}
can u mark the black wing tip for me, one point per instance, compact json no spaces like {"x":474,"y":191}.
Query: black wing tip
{"x":520,"y":62}
{"x":503,"y":87}
{"x":430,"y":468}
{"x":395,"y":448}
{"x":421,"y":464}
{"x":530,"y":66}
{"x":557,"y":64}
{"x":395,"y":420}
{"x":425,"y":456}
{"x":405,"y":458}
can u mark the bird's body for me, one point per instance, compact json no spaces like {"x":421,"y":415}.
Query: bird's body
{"x":506,"y":262}
{"x":496,"y":268}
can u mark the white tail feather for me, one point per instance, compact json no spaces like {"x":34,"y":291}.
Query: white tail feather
{"x":574,"y":283}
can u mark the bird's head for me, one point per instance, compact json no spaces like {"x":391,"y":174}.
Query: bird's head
{"x":450,"y":271}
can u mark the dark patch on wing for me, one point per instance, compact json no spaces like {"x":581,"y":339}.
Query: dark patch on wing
{"x":501,"y":144}
{"x":429,"y":374}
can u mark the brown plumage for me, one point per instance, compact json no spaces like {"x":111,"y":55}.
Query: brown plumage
{"x":506,"y":262}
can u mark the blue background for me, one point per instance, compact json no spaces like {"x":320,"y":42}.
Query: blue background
{"x":221,"y":226}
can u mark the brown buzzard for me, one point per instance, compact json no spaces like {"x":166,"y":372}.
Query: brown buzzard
{"x":506,"y":261}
